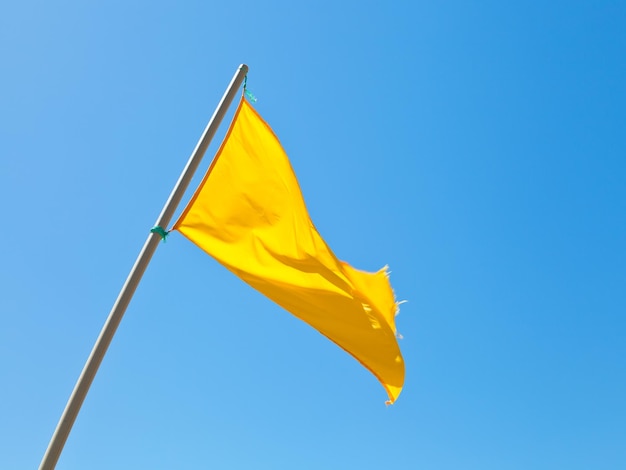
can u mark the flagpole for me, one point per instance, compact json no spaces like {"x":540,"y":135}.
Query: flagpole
{"x":81,"y":388}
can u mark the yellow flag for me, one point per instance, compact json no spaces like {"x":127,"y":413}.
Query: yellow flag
{"x":249,"y":214}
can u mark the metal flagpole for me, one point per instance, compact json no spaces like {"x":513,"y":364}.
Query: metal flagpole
{"x":81,"y":388}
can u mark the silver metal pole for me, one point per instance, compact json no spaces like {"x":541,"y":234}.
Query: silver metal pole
{"x":81,"y":388}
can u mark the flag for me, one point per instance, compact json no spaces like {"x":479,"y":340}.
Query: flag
{"x":249,"y":214}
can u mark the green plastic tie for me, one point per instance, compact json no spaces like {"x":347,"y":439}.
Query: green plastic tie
{"x":246,"y":92}
{"x":160,"y":231}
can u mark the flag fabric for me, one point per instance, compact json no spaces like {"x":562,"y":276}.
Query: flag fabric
{"x":249,"y":214}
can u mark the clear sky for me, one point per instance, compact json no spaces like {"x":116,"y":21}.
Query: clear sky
{"x":476,"y":147}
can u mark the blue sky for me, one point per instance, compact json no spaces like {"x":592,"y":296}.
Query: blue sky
{"x":476,"y":147}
